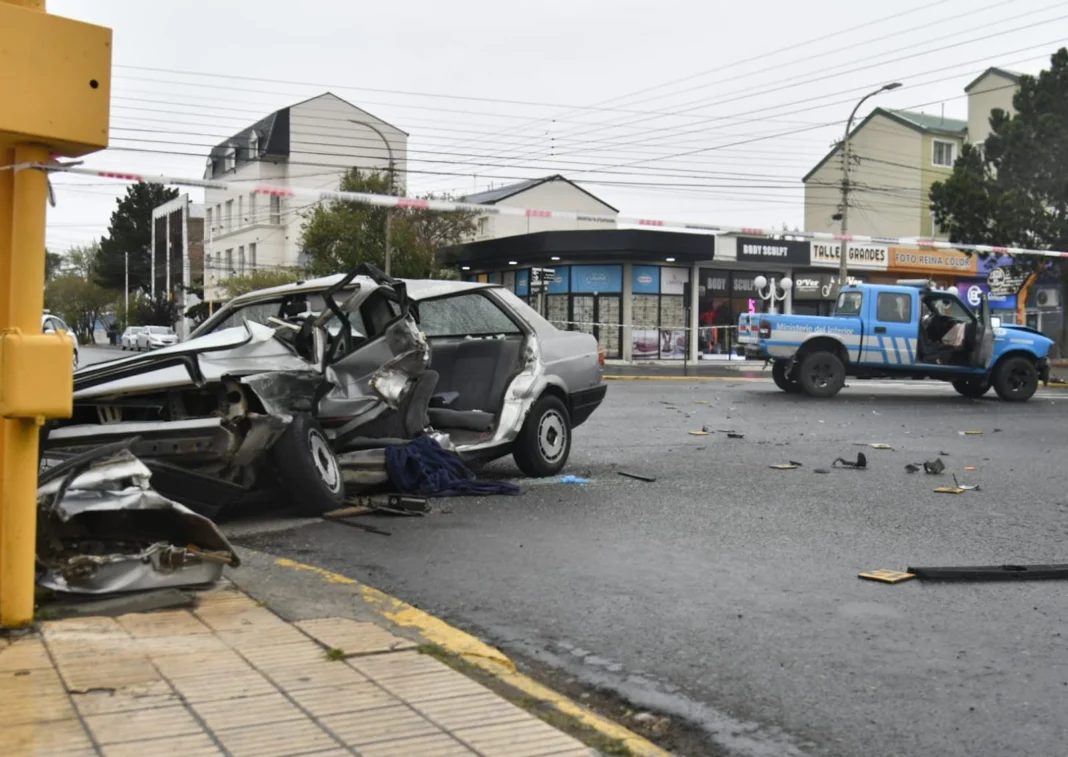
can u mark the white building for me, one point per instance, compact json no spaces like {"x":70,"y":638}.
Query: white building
{"x":311,"y":144}
{"x":550,"y":193}
{"x":178,"y":252}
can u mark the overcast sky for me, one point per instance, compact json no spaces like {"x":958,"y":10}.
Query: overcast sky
{"x":678,"y":109}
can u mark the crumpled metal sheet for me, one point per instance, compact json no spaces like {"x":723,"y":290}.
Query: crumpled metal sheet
{"x":103,"y":529}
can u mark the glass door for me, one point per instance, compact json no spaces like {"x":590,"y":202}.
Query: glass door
{"x":609,"y":328}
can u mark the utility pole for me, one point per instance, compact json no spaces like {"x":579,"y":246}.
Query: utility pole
{"x":389,"y":211}
{"x":54,"y":101}
{"x":843,"y":254}
{"x":126,"y":290}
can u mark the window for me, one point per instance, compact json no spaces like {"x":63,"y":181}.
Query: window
{"x":943,"y":153}
{"x":229,"y":215}
{"x":230,"y":161}
{"x":276,"y":210}
{"x":893,"y":307}
{"x":241,"y":260}
{"x":240,"y":211}
{"x":849,"y":303}
{"x":207,"y":219}
{"x":252,"y":257}
{"x":229,"y":263}
{"x":483,"y":225}
{"x":253,"y":146}
{"x":252,"y":209}
{"x":207,"y":263}
{"x":464,"y":315}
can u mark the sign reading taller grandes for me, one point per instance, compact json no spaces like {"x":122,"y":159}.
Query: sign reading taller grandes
{"x":870,"y":257}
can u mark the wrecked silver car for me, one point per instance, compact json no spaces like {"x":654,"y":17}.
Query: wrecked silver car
{"x":280,"y":387}
{"x":102,"y":528}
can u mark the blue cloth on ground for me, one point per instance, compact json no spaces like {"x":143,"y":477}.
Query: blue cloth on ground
{"x":422,"y":467}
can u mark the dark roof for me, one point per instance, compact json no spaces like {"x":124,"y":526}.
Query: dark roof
{"x":921,"y":122}
{"x":493,"y":196}
{"x":1011,"y":75}
{"x":591,"y":245}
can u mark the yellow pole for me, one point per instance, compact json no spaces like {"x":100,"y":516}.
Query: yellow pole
{"x":7,"y":206}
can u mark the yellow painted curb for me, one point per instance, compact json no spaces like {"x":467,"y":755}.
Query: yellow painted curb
{"x":482,"y":655}
{"x":683,"y":378}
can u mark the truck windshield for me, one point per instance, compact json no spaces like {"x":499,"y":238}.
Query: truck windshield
{"x":848,"y":303}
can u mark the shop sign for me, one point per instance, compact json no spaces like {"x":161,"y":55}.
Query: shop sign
{"x":713,"y":283}
{"x":645,"y":279}
{"x":772,"y":251}
{"x":931,"y":261}
{"x":522,"y":282}
{"x":972,"y":291}
{"x":1002,"y":280}
{"x":818,"y":286}
{"x":560,"y":281}
{"x":674,"y":280}
{"x":872,"y":257}
{"x":597,"y":278}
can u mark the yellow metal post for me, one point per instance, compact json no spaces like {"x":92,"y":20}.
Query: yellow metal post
{"x":55,"y":83}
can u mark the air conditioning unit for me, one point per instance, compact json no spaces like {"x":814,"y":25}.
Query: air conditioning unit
{"x":1048,"y":298}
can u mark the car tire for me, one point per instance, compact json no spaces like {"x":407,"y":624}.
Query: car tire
{"x":307,"y":467}
{"x":821,"y":374}
{"x":970,"y":387}
{"x":785,"y":381}
{"x":1016,"y":379}
{"x":544,"y":442}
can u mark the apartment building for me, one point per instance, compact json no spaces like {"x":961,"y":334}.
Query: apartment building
{"x":311,"y":145}
{"x":895,"y":157}
{"x":549,"y":193}
{"x":178,"y":252}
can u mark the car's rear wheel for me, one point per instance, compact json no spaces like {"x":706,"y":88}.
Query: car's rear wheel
{"x":307,"y":467}
{"x":544,"y":442}
{"x":1016,"y":379}
{"x":821,"y":374}
{"x":785,"y":380}
{"x":972,"y":387}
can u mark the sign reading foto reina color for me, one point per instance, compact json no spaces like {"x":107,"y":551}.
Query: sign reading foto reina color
{"x":870,"y":257}
{"x":931,"y":261}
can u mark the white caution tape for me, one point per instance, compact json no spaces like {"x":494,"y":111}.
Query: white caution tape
{"x":390,"y":201}
{"x":640,"y":327}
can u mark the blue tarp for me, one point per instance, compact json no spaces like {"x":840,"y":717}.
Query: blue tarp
{"x":423,"y":468}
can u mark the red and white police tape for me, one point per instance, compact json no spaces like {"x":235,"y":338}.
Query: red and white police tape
{"x":390,"y":201}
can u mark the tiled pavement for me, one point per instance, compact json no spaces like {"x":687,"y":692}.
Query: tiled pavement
{"x":232,"y":678}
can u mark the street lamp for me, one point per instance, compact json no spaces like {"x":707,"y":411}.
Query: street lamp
{"x":389,"y":211}
{"x":772,"y":296}
{"x":842,"y":255}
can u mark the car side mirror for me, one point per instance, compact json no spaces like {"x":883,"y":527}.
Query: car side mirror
{"x":995,"y":322}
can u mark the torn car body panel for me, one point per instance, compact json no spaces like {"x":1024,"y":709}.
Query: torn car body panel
{"x":102,"y":529}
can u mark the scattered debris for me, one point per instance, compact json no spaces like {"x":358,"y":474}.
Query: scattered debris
{"x":880,"y":446}
{"x":784,"y":466}
{"x":423,"y":467}
{"x":794,"y":462}
{"x":934,"y":467}
{"x":700,"y":402}
{"x":821,"y":470}
{"x":887,"y":576}
{"x":913,"y":467}
{"x":699,"y":433}
{"x":636,"y":476}
{"x":573,"y":480}
{"x":997,"y":431}
{"x":670,"y":407}
{"x":970,"y":433}
{"x":732,"y":435}
{"x":993,"y":573}
{"x":974,"y":488}
{"x":970,"y":467}
{"x":861,"y":462}
{"x":944,"y":454}
{"x":948,"y":490}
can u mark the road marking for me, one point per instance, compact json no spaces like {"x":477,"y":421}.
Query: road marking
{"x":478,"y":653}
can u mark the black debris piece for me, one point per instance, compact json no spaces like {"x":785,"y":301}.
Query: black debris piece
{"x":993,"y":573}
{"x":821,"y":470}
{"x":705,"y":429}
{"x":794,"y":462}
{"x":913,"y":467}
{"x":944,"y":454}
{"x":934,"y":467}
{"x":860,"y":462}
{"x":732,"y":435}
{"x":636,"y":476}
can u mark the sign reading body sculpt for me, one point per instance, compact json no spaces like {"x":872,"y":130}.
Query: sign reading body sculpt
{"x":870,"y":257}
{"x":915,"y":260}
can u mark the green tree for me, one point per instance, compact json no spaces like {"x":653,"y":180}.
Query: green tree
{"x":235,"y":286}
{"x":81,"y":302}
{"x":1012,"y":191}
{"x":130,"y":232}
{"x":340,"y":235}
{"x":53,"y":262}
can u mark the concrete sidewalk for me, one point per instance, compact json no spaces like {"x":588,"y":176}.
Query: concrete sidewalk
{"x":232,"y":678}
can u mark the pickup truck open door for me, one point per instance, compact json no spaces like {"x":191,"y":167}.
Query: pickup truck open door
{"x":984,"y":336}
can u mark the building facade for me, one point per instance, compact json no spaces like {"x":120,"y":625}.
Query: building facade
{"x":554,"y":193}
{"x":310,"y":145}
{"x":178,"y":229}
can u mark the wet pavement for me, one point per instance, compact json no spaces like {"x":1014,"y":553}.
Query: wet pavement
{"x":726,"y":592}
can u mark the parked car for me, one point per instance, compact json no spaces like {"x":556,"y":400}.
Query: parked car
{"x":155,"y":337}
{"x":128,"y":340}
{"x":285,"y":386}
{"x":910,"y":330}
{"x":50,"y":324}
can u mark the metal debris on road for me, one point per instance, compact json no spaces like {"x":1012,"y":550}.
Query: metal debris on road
{"x":886,"y":576}
{"x":993,"y":573}
{"x":698,"y":433}
{"x":934,"y":467}
{"x":821,"y":470}
{"x":913,"y":467}
{"x":970,"y":433}
{"x":861,"y":462}
{"x":974,"y":488}
{"x":948,"y":490}
{"x":732,"y":435}
{"x":878,"y":445}
{"x":785,"y":466}
{"x":636,"y":476}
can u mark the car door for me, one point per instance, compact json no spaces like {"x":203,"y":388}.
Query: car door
{"x":984,"y":335}
{"x":893,"y":335}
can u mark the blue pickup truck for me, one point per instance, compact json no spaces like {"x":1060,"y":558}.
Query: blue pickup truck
{"x":910,"y":330}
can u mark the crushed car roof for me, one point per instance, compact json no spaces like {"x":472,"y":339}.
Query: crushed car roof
{"x":418,"y":289}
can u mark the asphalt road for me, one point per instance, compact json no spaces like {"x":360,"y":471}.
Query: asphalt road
{"x":726,"y":592}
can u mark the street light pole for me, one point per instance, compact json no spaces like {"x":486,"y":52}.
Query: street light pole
{"x":843,"y":266}
{"x":389,"y":211}
{"x":126,"y":290}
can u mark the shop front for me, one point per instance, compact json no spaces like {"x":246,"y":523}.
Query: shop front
{"x":816,"y":291}
{"x":723,"y":295}
{"x":944,"y":267}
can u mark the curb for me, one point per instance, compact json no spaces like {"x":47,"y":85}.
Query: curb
{"x":479,"y":654}
{"x":683,"y":378}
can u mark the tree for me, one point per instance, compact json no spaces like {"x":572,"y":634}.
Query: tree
{"x":53,"y":262}
{"x":1012,"y":190}
{"x":130,"y":232}
{"x":340,"y":235}
{"x":158,"y":311}
{"x":81,"y":302}
{"x":235,"y":286}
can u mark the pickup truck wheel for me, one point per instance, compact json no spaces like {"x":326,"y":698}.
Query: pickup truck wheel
{"x":785,"y":381}
{"x":821,"y":374}
{"x":544,"y":442}
{"x":1016,"y":379}
{"x":974,"y":388}
{"x":307,"y":467}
